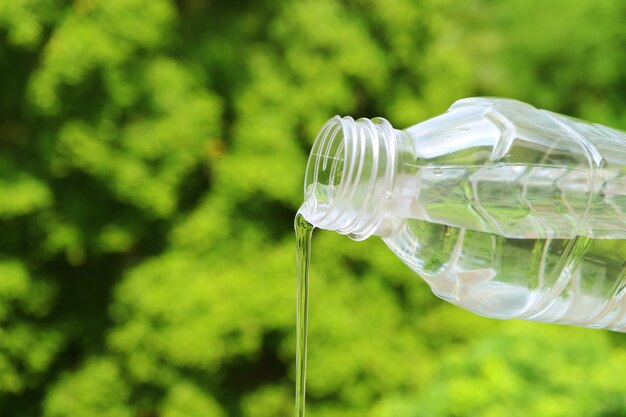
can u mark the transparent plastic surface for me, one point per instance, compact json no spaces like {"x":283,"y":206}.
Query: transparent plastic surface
{"x":504,"y":209}
{"x":504,"y":167}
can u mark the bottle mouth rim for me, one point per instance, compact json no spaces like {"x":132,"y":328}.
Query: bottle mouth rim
{"x":349,"y":169}
{"x":325,"y":159}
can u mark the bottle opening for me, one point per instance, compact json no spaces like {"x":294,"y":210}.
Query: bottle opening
{"x":349,"y":176}
{"x":325,"y":169}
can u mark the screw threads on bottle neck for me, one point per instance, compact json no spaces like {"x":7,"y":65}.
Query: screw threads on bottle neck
{"x":350,"y":176}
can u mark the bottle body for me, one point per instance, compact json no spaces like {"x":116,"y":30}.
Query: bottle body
{"x":503,"y":209}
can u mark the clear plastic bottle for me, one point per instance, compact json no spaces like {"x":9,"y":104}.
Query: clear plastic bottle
{"x":503,"y":209}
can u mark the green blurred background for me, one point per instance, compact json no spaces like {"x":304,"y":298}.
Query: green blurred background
{"x":151,"y":160}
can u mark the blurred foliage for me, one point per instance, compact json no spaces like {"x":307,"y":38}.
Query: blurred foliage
{"x":151,"y":161}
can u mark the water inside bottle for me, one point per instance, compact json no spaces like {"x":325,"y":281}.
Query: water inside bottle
{"x":579,"y":281}
{"x":304,"y":231}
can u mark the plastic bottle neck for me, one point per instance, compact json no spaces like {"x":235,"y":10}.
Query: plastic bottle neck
{"x":350,"y":175}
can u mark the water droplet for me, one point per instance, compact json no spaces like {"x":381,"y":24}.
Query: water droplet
{"x":437,"y":171}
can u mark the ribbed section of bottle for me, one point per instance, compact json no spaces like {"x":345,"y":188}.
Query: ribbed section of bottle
{"x":350,"y":175}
